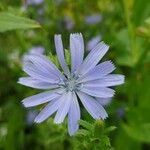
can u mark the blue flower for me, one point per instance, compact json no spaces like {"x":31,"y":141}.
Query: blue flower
{"x":93,"y":19}
{"x":34,"y":2}
{"x":86,"y":81}
{"x":34,"y":50}
{"x":68,"y":23}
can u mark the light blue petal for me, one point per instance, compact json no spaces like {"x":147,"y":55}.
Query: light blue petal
{"x":35,"y":83}
{"x":77,"y":50}
{"x":44,"y":65}
{"x":37,"y":73}
{"x":113,"y":80}
{"x":63,"y":109}
{"x":98,"y":92}
{"x":98,"y":72}
{"x":104,"y":101}
{"x":92,"y":106}
{"x":73,"y":115}
{"x":42,"y":98}
{"x":49,"y":110}
{"x":60,"y":54}
{"x":93,"y":58}
{"x":107,"y":81}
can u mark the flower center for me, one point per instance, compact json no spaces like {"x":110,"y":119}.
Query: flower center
{"x":71,"y":84}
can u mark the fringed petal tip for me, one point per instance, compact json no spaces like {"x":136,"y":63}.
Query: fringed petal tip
{"x":104,"y":117}
{"x":76,"y":34}
{"x":123,"y":79}
{"x":18,"y":82}
{"x":111,"y":62}
{"x":102,"y":42}
{"x":25,"y":104}
{"x":37,"y":121}
{"x":72,"y":133}
{"x":57,"y":35}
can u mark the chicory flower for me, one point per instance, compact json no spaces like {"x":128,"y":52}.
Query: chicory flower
{"x":88,"y":81}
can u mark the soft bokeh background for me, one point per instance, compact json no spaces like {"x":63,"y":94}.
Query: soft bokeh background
{"x":123,"y":24}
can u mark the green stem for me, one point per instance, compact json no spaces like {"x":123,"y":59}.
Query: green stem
{"x":131,"y":33}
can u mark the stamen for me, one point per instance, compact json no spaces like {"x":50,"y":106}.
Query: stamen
{"x":71,"y":84}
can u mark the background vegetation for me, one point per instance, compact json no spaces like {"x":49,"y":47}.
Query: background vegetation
{"x":123,"y":24}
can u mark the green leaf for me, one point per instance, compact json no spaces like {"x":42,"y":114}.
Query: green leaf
{"x":12,"y":22}
{"x":68,"y":56}
{"x":124,"y":142}
{"x":54,"y":59}
{"x":140,"y":11}
{"x":83,"y":132}
{"x":140,"y":132}
{"x":110,"y":129}
{"x":86,"y":124}
{"x":144,"y":30}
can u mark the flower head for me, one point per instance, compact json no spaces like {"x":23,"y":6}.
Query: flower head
{"x":93,"y":19}
{"x":34,"y":2}
{"x":35,"y":50}
{"x":86,"y":81}
{"x":68,"y":22}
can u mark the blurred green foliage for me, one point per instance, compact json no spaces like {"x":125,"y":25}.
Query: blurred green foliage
{"x":125,"y":26}
{"x":11,"y":22}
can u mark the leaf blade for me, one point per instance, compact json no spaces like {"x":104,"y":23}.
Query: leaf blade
{"x":12,"y":22}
